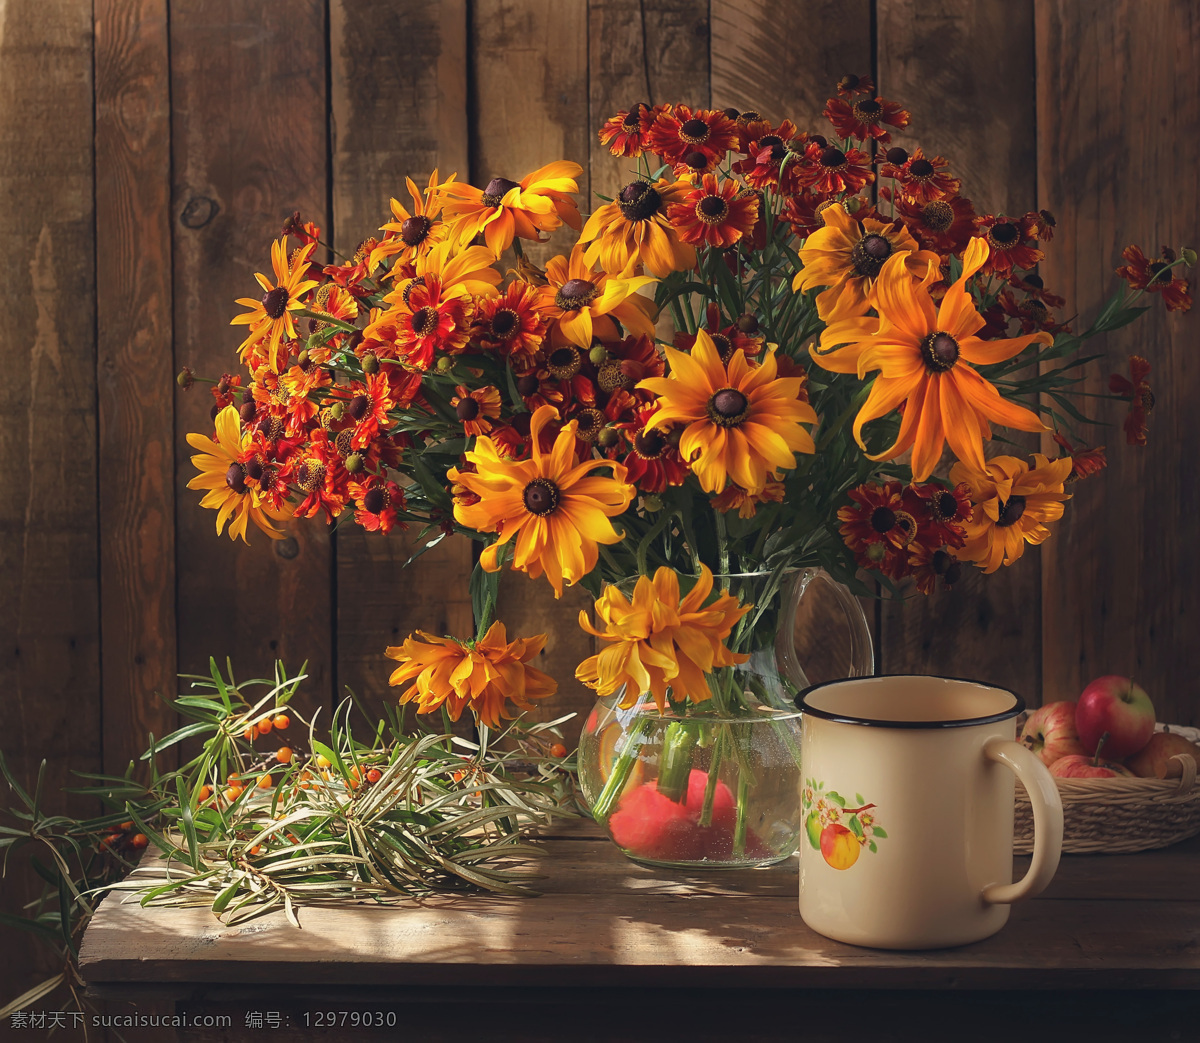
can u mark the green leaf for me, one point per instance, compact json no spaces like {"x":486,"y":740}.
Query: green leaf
{"x":860,"y":798}
{"x":184,"y":733}
{"x":871,"y":845}
{"x":226,"y":896}
{"x":882,"y":834}
{"x":837,"y":798}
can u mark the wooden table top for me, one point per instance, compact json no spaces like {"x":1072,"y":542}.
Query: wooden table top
{"x":1106,"y":921}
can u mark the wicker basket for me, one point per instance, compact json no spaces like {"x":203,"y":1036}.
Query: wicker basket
{"x":1120,"y":815}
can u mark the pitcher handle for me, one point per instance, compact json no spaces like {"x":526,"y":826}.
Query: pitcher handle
{"x":1047,"y":820}
{"x":862,"y":651}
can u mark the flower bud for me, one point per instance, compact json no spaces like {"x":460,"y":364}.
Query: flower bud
{"x":354,"y":463}
{"x":598,"y":354}
{"x":1189,"y":256}
{"x":652,"y":504}
{"x":337,"y":410}
{"x":370,"y":364}
{"x":185,"y":379}
{"x":444,"y":364}
{"x":607,"y":437}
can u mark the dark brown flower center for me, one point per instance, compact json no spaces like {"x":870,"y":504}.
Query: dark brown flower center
{"x":712,"y":209}
{"x":953,"y":573}
{"x":504,"y":323}
{"x":940,"y":351}
{"x":907,"y":525}
{"x":731,"y":112}
{"x":310,"y":475}
{"x":467,"y":409}
{"x":1010,"y":511}
{"x":235,"y":478}
{"x":897,"y":156}
{"x":275,"y":302}
{"x":639,"y":201}
{"x":940,"y":561}
{"x":344,"y":442}
{"x":254,"y":469}
{"x":748,"y":324}
{"x":749,"y":116}
{"x":921,"y":169}
{"x":869,"y":253}
{"x":633,"y":118}
{"x":540,"y":497}
{"x":411,"y":285}
{"x":414,"y":230}
{"x":696,"y":161}
{"x":575,"y":294}
{"x":564,"y":362}
{"x":248,"y":411}
{"x":527,"y":384}
{"x":611,"y":376}
{"x":728,"y":407}
{"x":868,"y":110}
{"x":849,"y":82}
{"x":943,"y":506}
{"x":882,"y":519}
{"x":496,"y":190}
{"x":833,"y":158}
{"x":375,"y":500}
{"x":693,"y":131}
{"x":358,"y":407}
{"x":1003,"y":235}
{"x":723,"y":345}
{"x":938,"y":215}
{"x":650,"y":445}
{"x":591,"y":423}
{"x":424,"y":321}
{"x":1158,"y":271}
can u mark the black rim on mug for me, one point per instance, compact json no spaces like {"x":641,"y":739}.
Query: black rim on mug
{"x":1018,"y":705}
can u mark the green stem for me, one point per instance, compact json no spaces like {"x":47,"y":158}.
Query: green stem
{"x":710,"y":787}
{"x":679,"y":744}
{"x":739,"y":826}
{"x":622,"y":765}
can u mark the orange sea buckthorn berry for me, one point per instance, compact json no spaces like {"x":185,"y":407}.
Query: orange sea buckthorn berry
{"x":264,"y":782}
{"x":203,"y":793}
{"x":459,"y":775}
{"x":284,"y":755}
{"x":111,"y":841}
{"x":264,"y":726}
{"x":126,"y":827}
{"x":256,"y":850}
{"x":322,"y":761}
{"x":138,"y":841}
{"x":281,"y":721}
{"x":232,"y":793}
{"x":249,"y":733}
{"x":558,"y":750}
{"x":374,"y":775}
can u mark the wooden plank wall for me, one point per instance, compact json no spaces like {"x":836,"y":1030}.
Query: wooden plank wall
{"x":151,"y":149}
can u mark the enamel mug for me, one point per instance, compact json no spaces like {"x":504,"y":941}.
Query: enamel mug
{"x":908,"y":811}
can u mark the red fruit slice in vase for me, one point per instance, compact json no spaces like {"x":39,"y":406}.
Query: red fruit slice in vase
{"x":649,"y":825}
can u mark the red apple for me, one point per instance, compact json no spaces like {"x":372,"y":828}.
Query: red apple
{"x":1078,"y":766}
{"x":1117,"y":711}
{"x":1050,"y":732}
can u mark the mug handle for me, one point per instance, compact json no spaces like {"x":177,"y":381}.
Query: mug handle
{"x":1047,"y":820}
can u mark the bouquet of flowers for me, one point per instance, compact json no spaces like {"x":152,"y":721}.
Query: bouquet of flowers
{"x":749,"y":363}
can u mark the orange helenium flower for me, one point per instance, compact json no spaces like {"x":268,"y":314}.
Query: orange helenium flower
{"x":270,"y":318}
{"x":633,"y":229}
{"x":656,"y":641}
{"x":925,"y":356}
{"x":1012,"y":504}
{"x":223,"y":476}
{"x":555,"y":509}
{"x":846,"y":257}
{"x":583,"y":303}
{"x":412,"y":234}
{"x":743,"y":421}
{"x":481,"y":675}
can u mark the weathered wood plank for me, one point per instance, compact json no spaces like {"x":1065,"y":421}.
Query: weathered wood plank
{"x":249,"y":141}
{"x":784,"y":57}
{"x":530,"y":107}
{"x":944,"y":61}
{"x":1119,"y":163}
{"x":49,"y":597}
{"x":134,"y":375}
{"x":406,"y":59}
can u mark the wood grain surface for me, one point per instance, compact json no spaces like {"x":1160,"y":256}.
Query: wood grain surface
{"x":249,"y":147}
{"x":604,"y":921}
{"x":49,"y":584}
{"x":1118,"y":96}
{"x":133,"y":353}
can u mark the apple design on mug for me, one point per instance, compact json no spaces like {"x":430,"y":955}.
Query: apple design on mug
{"x":1114,"y":717}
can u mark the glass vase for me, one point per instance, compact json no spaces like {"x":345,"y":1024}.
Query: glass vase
{"x":716,"y":783}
